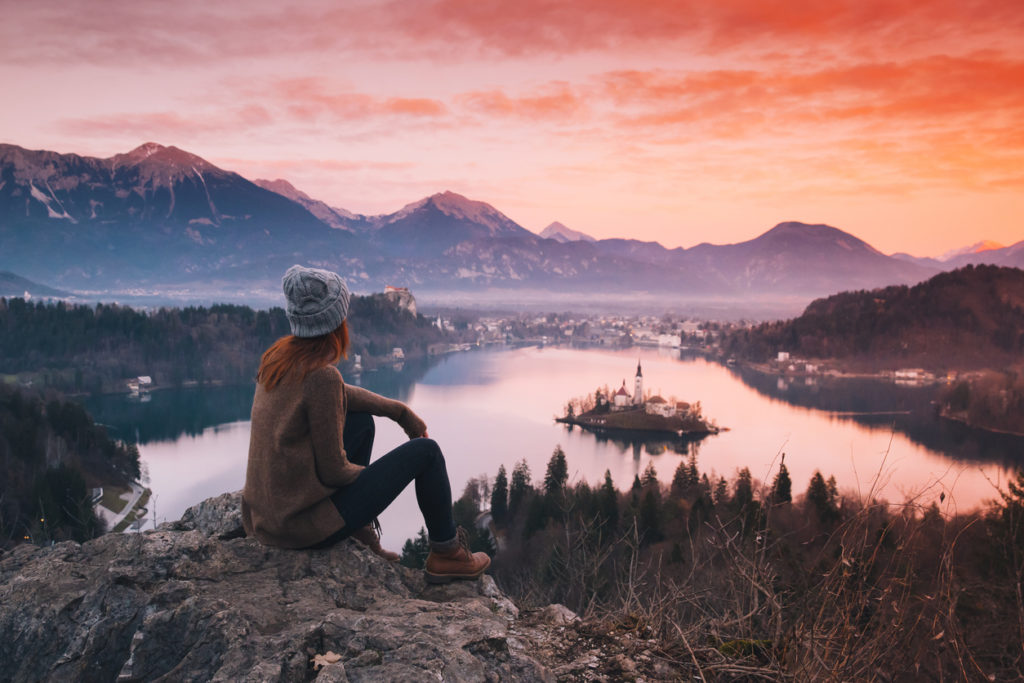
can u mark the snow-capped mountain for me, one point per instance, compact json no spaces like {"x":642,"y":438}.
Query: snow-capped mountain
{"x":434,"y":224}
{"x":976,"y":248}
{"x":558,"y":232}
{"x":161,"y":217}
{"x":1012,"y":256}
{"x":335,"y":217}
{"x":12,"y":285}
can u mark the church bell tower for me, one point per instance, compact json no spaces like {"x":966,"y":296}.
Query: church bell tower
{"x":638,"y":388}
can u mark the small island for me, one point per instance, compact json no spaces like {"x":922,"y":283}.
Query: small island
{"x":605,"y":411}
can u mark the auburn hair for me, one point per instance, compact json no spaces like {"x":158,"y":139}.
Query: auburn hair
{"x":292,"y":357}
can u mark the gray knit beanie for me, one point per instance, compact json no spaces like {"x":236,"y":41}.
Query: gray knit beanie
{"x":317,"y":300}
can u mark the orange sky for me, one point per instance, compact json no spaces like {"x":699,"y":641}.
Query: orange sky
{"x":679,"y":121}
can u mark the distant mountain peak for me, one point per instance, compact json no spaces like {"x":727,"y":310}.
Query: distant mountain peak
{"x":146,"y":149}
{"x":800,"y":228}
{"x":456,"y":206}
{"x":155,"y":154}
{"x":976,"y":248}
{"x":333,"y":216}
{"x":282,"y":187}
{"x":791,"y":231}
{"x":560,"y":233}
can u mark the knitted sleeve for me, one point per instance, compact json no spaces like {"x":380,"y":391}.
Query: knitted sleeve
{"x":361,"y":400}
{"x":324,"y":396}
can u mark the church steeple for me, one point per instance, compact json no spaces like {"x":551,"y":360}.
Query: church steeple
{"x":638,"y":389}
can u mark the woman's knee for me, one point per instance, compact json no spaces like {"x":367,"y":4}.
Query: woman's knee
{"x":429,"y":450}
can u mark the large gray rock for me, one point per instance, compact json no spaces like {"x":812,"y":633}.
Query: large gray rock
{"x":220,"y":516}
{"x":190,"y":602}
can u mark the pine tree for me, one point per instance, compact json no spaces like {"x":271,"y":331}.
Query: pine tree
{"x":608,"y":503}
{"x":679,"y":481}
{"x":557,"y":474}
{"x":635,"y":490}
{"x":415,"y":551}
{"x":782,"y":486}
{"x":705,"y":490}
{"x":822,"y":499}
{"x":650,"y":476}
{"x":721,"y":492}
{"x":499,"y":498}
{"x":743,"y":490}
{"x":519,"y":489}
{"x":692,"y":474}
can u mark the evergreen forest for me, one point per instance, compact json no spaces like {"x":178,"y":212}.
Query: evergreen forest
{"x":96,"y":349}
{"x":966,"y":319}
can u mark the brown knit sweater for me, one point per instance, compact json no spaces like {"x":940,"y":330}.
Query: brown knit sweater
{"x":297,"y":458}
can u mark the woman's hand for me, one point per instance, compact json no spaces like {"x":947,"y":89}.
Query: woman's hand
{"x":411,"y":423}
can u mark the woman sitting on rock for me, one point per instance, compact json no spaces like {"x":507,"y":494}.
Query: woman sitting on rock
{"x":309,"y":481}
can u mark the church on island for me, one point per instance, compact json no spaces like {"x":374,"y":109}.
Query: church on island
{"x":624,"y":412}
{"x":621,"y":400}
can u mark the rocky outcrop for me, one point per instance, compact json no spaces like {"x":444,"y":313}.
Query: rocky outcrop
{"x":402,"y":298}
{"x":197,"y":601}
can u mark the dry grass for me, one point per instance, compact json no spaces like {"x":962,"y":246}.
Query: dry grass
{"x":889,"y":593}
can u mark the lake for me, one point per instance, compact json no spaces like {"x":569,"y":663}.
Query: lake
{"x":492,"y":407}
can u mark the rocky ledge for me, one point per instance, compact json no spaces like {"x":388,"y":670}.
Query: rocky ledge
{"x":197,"y":601}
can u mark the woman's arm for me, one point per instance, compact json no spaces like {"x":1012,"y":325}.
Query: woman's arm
{"x":361,"y":400}
{"x":324,"y":396}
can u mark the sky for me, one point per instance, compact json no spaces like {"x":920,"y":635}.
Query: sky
{"x":681,"y":121}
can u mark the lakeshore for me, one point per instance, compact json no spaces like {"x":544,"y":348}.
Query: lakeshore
{"x":814,"y":370}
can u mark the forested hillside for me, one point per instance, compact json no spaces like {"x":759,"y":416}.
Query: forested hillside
{"x":967,"y":319}
{"x":51,"y":453}
{"x":781,"y":580}
{"x":96,"y":348}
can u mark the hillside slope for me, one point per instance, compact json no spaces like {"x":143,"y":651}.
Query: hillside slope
{"x":965,"y":319}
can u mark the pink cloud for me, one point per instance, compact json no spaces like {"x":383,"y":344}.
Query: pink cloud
{"x":195,"y":32}
{"x":554,"y":101}
{"x":170,"y":126}
{"x":310,"y":98}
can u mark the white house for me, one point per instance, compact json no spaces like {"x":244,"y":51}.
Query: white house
{"x":670,"y":340}
{"x":656,"y":405}
{"x":621,"y":398}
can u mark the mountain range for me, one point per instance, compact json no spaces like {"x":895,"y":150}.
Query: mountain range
{"x":12,"y":285}
{"x":160,"y":218}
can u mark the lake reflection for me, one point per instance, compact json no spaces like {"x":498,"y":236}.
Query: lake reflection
{"x":494,"y":407}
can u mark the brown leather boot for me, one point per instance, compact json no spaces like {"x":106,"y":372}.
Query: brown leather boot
{"x":368,"y":537}
{"x":446,"y":565}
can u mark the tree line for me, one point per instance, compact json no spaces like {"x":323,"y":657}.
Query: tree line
{"x":772,"y":579}
{"x":95,"y":349}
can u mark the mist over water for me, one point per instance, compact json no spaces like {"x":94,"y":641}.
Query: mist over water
{"x":496,"y":407}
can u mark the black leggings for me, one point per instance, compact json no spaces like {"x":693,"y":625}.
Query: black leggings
{"x":418,"y":460}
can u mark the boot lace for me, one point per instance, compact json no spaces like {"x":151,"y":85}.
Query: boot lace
{"x":463,"y":537}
